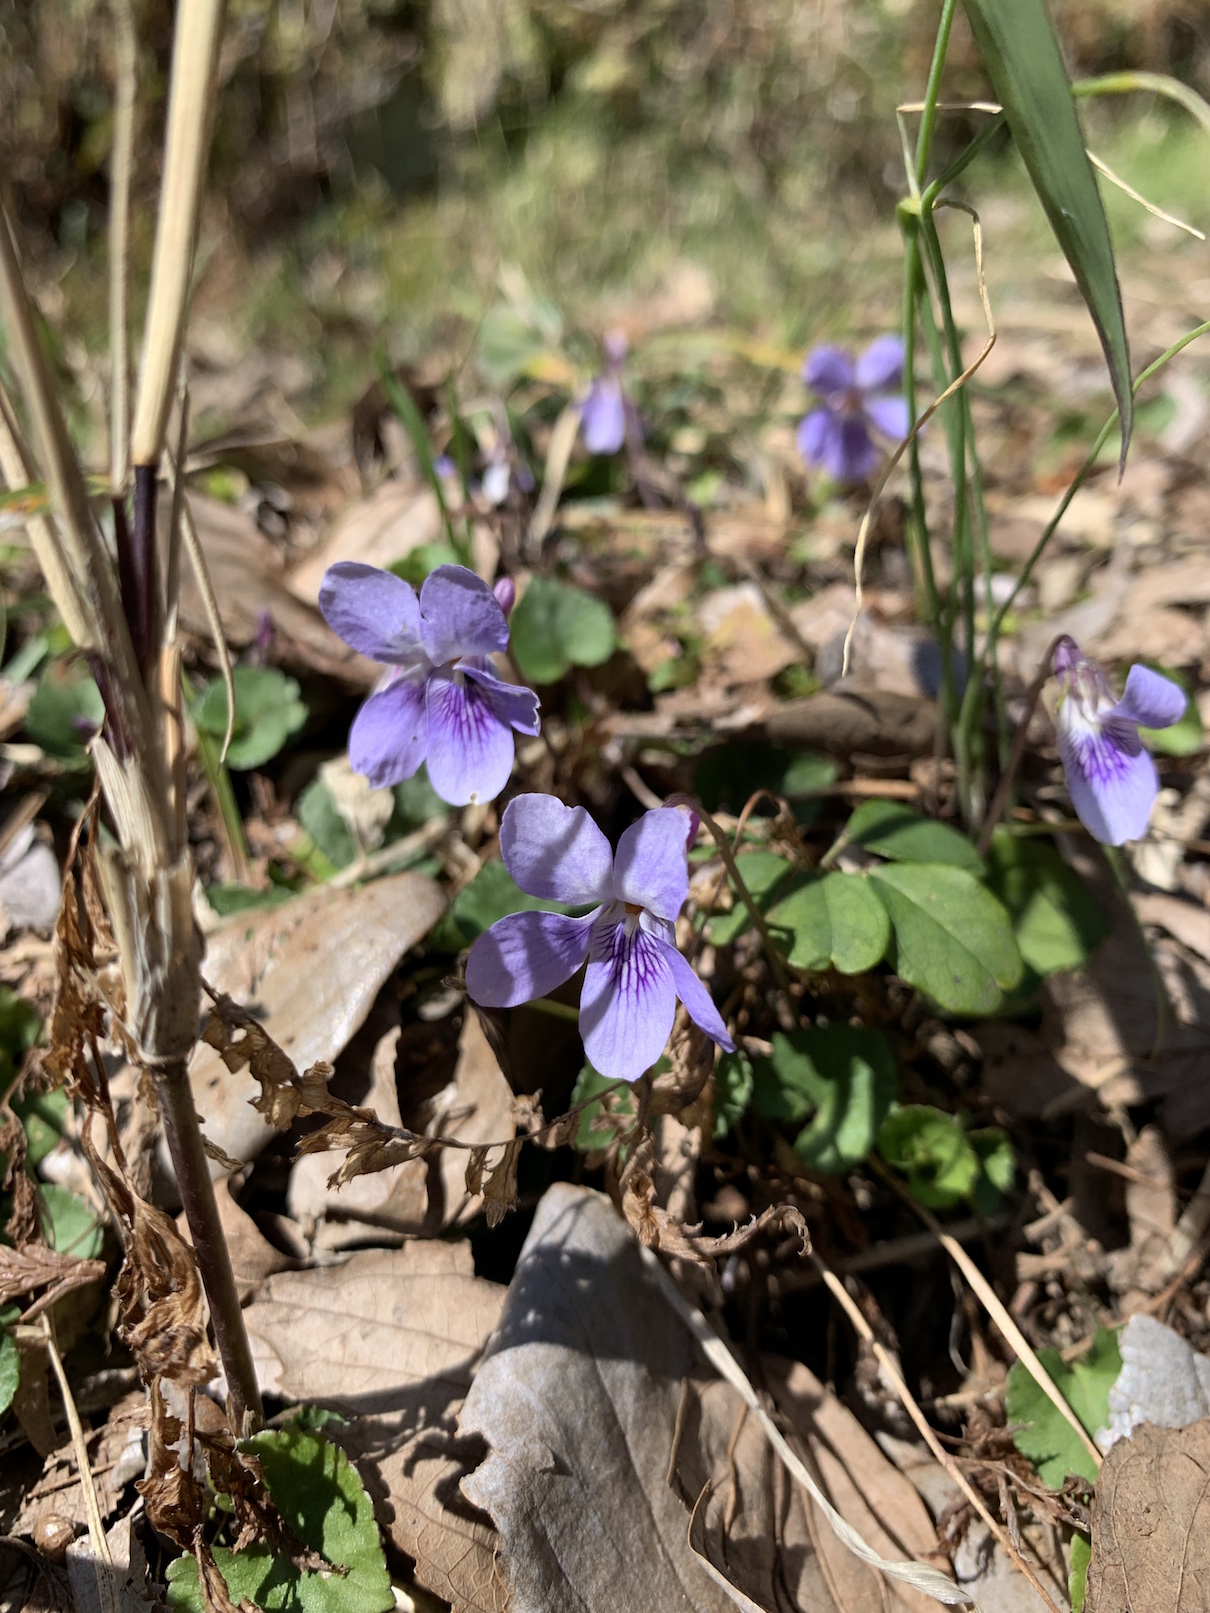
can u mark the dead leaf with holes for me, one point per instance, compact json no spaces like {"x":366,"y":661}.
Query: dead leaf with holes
{"x":391,"y":1339}
{"x":1151,"y":1523}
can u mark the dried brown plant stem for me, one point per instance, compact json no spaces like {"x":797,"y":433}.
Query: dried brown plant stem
{"x":192,"y":1169}
{"x":120,"y":172}
{"x":894,"y":1377}
{"x":996,"y":1309}
{"x":195,"y":47}
{"x":96,"y":1524}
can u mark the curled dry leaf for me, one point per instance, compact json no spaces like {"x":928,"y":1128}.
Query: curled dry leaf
{"x":657,"y":1229}
{"x":415,"y":1185}
{"x":391,"y":1339}
{"x":23,"y":1271}
{"x":308,"y":972}
{"x":1151,"y":1523}
{"x":580,"y":1398}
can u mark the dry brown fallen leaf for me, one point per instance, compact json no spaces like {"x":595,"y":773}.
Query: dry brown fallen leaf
{"x":579,"y":1400}
{"x":395,"y":519}
{"x":479,"y":1103}
{"x":247,"y":580}
{"x":1151,"y":1523}
{"x":310,"y":971}
{"x":391,"y":1338}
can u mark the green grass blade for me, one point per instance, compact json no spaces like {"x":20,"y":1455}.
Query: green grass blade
{"x":1022,"y":58}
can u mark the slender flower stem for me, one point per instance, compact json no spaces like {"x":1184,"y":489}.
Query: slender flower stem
{"x":192,"y":1169}
{"x":932,"y":92}
{"x":1003,"y":789}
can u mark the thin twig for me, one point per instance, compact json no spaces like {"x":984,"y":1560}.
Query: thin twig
{"x":205,"y":588}
{"x":893,"y":1376}
{"x":719,"y":836}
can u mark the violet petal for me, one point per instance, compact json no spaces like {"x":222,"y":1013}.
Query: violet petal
{"x":514,"y":704}
{"x":880,"y":367}
{"x":851,"y":455}
{"x":650,"y":869}
{"x":815,"y":434}
{"x":1150,"y":699}
{"x":374,"y":611}
{"x":556,"y":852}
{"x":524,"y":956}
{"x":470,"y":752}
{"x":1112,"y":789}
{"x":889,"y":415}
{"x":459,"y":616}
{"x":390,"y":734}
{"x":828,"y":370}
{"x":697,"y":1000}
{"x":628,"y":1002}
{"x":603,"y":417}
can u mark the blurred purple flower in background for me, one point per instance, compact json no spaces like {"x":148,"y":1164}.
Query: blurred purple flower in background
{"x":635,"y":973}
{"x":1110,"y":775}
{"x":441,"y":702}
{"x":603,"y":416}
{"x":853,"y":398}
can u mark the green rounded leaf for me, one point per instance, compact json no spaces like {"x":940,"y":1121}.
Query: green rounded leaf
{"x":895,"y":831}
{"x":64,"y":713}
{"x":320,"y":1495}
{"x":1040,"y":1432}
{"x":1056,"y":920}
{"x":761,"y":872}
{"x":74,"y":1228}
{"x":835,"y":920}
{"x":953,"y":940}
{"x":491,"y":895}
{"x":933,"y":1151}
{"x":267,"y":712}
{"x":732,"y":1090}
{"x":843,"y":1077}
{"x":555,"y":626}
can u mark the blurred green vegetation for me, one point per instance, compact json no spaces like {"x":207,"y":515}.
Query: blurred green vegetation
{"x":380,"y":165}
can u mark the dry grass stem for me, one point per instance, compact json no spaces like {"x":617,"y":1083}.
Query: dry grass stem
{"x":120,"y":174}
{"x":197,"y":35}
{"x":893,"y":1376}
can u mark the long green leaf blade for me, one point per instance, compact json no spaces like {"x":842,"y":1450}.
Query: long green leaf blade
{"x":1022,"y":58}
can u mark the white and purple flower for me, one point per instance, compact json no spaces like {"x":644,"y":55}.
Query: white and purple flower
{"x":440,"y":702}
{"x":635,"y":973}
{"x":1110,"y":775}
{"x":603,"y":414}
{"x":853,"y":397}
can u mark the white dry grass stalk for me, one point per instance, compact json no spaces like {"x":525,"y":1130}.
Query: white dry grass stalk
{"x":919,"y":1575}
{"x":908,"y":1401}
{"x":998,"y":1311}
{"x":195,"y":47}
{"x":120,"y":173}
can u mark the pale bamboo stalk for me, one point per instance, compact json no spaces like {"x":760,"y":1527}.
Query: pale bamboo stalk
{"x":195,"y":48}
{"x":120,"y":174}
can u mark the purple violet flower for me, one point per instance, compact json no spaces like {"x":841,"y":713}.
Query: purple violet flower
{"x":603,"y":415}
{"x":853,"y":397}
{"x":635,"y":973}
{"x":440,"y":701}
{"x":1111,"y":777}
